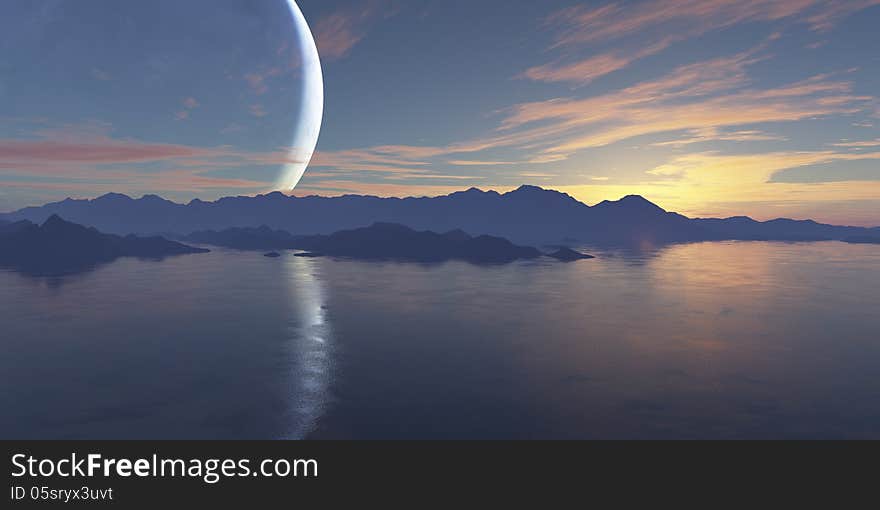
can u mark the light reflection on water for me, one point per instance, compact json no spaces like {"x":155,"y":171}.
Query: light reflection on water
{"x":739,"y":339}
{"x":310,"y":347}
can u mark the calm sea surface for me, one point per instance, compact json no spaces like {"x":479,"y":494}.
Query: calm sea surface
{"x":711,"y":340}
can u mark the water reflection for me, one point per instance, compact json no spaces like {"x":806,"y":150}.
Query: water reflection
{"x":309,"y":346}
{"x":709,"y":340}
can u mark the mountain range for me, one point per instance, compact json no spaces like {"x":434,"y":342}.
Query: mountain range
{"x":527,"y":215}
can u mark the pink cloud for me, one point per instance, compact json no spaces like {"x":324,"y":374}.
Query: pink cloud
{"x":832,"y":12}
{"x":257,"y":80}
{"x":669,"y":21}
{"x":586,"y":70}
{"x":96,"y":151}
{"x":189,"y":103}
{"x":257,"y":110}
{"x":345,"y":187}
{"x":338,"y":33}
{"x":584,"y":24}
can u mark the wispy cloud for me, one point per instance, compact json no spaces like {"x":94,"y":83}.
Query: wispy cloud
{"x":586,"y":70}
{"x":586,"y":24}
{"x":14,"y":153}
{"x":385,"y":189}
{"x":655,"y":25}
{"x":713,"y":134}
{"x":257,"y":81}
{"x":709,"y":168}
{"x":189,"y":104}
{"x":101,"y":75}
{"x":466,"y":162}
{"x":830,"y":13}
{"x":708,"y":95}
{"x":86,"y":157}
{"x":859,"y":144}
{"x":257,"y":110}
{"x":709,"y":101}
{"x":338,"y":33}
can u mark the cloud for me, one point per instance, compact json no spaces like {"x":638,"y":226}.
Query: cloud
{"x":16,"y":152}
{"x":101,"y":75}
{"x":345,"y":187}
{"x":713,"y":134}
{"x":586,"y":70}
{"x":233,"y":127}
{"x":257,"y":110}
{"x":257,"y":80}
{"x":586,"y":24}
{"x":460,"y":162}
{"x":409,"y":160}
{"x":709,"y":100}
{"x":657,"y":24}
{"x":693,"y":97}
{"x":189,"y":104}
{"x":860,"y":144}
{"x":832,"y":12}
{"x":338,"y":33}
{"x":707,"y":169}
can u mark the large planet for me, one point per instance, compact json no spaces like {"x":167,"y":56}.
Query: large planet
{"x":236,"y":83}
{"x":308,"y":125}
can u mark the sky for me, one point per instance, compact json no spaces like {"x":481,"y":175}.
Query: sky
{"x":705,"y":107}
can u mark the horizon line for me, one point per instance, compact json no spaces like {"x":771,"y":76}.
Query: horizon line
{"x":415,"y":197}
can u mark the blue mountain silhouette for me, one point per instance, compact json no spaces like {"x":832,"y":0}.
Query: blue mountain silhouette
{"x":863,"y":239}
{"x":59,"y":247}
{"x":390,"y":241}
{"x":245,"y":238}
{"x":527,"y":215}
{"x":568,"y":255}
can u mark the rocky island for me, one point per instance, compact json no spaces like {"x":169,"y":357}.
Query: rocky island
{"x":566,"y":254}
{"x":389,"y":241}
{"x":60,"y":247}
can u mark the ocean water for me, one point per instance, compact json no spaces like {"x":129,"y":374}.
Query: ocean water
{"x":708,"y":340}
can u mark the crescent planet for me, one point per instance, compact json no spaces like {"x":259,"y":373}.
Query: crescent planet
{"x":308,"y":128}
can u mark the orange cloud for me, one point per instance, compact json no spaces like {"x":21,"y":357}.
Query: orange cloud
{"x":860,"y":144}
{"x":587,"y":70}
{"x":586,"y":24}
{"x":678,"y":102}
{"x":713,"y":134}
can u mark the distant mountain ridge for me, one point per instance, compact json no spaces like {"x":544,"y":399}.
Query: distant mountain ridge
{"x":382,"y":241}
{"x":528,"y":215}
